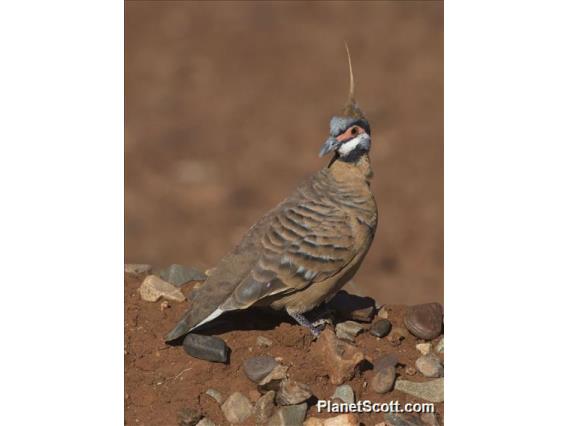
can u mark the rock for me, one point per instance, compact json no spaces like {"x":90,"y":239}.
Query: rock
{"x":383,"y":312}
{"x":429,"y":419}
{"x":179,"y":275}
{"x":292,"y":392}
{"x":381,"y":328}
{"x":424,"y":348}
{"x":348,"y":330}
{"x":384,"y":361}
{"x":313,"y":421}
{"x":137,"y":268}
{"x":383,"y":380}
{"x":209,"y":348}
{"x":350,"y":306}
{"x":188,"y":417}
{"x":342,"y":420}
{"x":205,"y":422}
{"x":164,"y":305}
{"x":339,"y":358}
{"x":263,"y":342}
{"x":396,"y":419}
{"x":258,"y":367}
{"x":425,"y":321}
{"x":430,"y":366}
{"x":215,"y":394}
{"x":344,"y":393}
{"x":153,"y":288}
{"x":272,"y":381}
{"x":264,"y":407}
{"x":237,"y":408}
{"x":440,"y":346}
{"x":432,"y":391}
{"x":290,"y":415}
{"x":397,"y":335}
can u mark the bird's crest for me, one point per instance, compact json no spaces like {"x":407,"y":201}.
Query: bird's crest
{"x":351,"y":108}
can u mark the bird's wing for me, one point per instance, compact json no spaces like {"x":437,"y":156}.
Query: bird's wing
{"x":307,"y":240}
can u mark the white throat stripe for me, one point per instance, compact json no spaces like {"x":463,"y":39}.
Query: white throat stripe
{"x":349,"y":146}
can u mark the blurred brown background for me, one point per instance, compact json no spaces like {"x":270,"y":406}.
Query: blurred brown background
{"x":227,"y":105}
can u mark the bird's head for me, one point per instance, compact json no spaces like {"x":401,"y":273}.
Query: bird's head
{"x":349,"y":133}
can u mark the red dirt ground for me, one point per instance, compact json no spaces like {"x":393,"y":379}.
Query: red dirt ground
{"x":160,"y":380}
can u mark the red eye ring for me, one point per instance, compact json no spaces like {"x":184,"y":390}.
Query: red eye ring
{"x":354,"y":131}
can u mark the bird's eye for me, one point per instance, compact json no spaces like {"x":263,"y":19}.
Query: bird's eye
{"x":354,"y":131}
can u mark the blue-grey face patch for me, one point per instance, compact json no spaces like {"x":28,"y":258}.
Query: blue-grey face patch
{"x":337,"y":126}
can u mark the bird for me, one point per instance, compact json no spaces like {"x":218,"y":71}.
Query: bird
{"x":303,"y":251}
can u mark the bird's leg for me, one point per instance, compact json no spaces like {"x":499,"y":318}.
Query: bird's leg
{"x":314,"y":328}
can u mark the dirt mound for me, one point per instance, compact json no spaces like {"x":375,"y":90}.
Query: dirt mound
{"x":162,"y":380}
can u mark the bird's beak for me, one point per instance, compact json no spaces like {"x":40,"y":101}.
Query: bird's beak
{"x":329,"y":145}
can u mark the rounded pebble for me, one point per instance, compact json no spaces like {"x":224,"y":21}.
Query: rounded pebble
{"x":383,"y":381}
{"x":381,"y":328}
{"x":209,"y":348}
{"x":425,"y":321}
{"x":344,"y":393}
{"x":258,"y":367}
{"x":430,"y":366}
{"x":215,"y":394}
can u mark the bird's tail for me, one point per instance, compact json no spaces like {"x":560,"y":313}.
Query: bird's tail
{"x":188,"y":323}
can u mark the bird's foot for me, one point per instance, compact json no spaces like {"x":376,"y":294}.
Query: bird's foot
{"x":315,"y":328}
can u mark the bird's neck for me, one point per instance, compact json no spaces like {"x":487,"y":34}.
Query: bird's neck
{"x":360,"y":168}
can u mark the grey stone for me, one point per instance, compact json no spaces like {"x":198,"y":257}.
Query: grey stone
{"x":381,"y":328}
{"x":215,"y":394}
{"x":258,"y":367}
{"x":353,"y":307}
{"x":425,"y":321}
{"x":154,"y":288}
{"x":290,"y":415}
{"x":440,"y":346}
{"x":292,"y":392}
{"x":344,"y":393}
{"x":188,"y":417}
{"x":348,"y":330}
{"x":237,"y":408}
{"x":432,"y":391}
{"x":179,"y":275}
{"x":274,"y":378}
{"x":383,"y":380}
{"x":396,"y":419}
{"x":430,"y":366}
{"x":263,"y":341}
{"x":209,"y":348}
{"x":205,"y":422}
{"x":137,"y":268}
{"x":264,"y":407}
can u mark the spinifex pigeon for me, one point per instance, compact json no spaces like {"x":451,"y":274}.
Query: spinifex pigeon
{"x":303,"y":251}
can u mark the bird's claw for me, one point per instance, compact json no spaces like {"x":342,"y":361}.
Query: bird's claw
{"x":315,"y":327}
